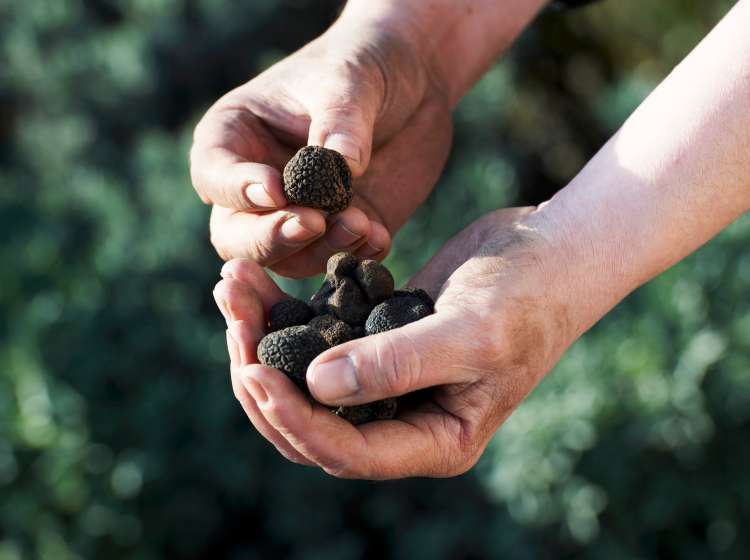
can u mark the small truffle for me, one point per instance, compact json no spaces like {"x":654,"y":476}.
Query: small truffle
{"x":340,"y":266}
{"x":396,"y":312}
{"x":334,"y":331}
{"x":359,"y":414}
{"x":289,"y":313}
{"x":417,"y":292}
{"x":348,"y":303}
{"x":375,"y":280}
{"x":291,"y":350}
{"x":318,"y":178}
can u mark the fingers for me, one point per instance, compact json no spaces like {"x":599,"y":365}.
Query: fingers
{"x":243,"y":310}
{"x":296,"y":242}
{"x":422,"y":444}
{"x":250,"y":273}
{"x":344,"y":122}
{"x":236,"y":353}
{"x":346,"y":231}
{"x":234,"y":162}
{"x":427,"y":353}
{"x":265,"y":238}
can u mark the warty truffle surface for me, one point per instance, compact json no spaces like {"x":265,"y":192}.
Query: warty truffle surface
{"x":289,"y":313}
{"x":318,"y":178}
{"x":291,"y":350}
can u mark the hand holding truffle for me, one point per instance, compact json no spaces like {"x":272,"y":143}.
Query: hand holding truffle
{"x":456,"y":373}
{"x":331,"y":149}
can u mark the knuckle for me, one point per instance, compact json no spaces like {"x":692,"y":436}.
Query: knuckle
{"x":274,"y":409}
{"x":463,"y":465}
{"x":289,"y":456}
{"x":221,"y":250}
{"x":341,"y":469}
{"x":400,"y":365}
{"x":260,"y":251}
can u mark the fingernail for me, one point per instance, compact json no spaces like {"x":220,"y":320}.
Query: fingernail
{"x":343,"y":145}
{"x":341,"y":237}
{"x":258,"y":196}
{"x":369,"y":250}
{"x":227,"y":270}
{"x":293,"y":232}
{"x":334,"y":380}
{"x":255,"y":389}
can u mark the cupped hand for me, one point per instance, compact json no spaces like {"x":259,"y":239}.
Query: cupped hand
{"x":360,"y":90}
{"x":498,"y":328}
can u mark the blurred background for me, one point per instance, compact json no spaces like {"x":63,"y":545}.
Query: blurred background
{"x":119,"y":433}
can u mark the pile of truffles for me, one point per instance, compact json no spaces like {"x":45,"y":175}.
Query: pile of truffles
{"x":356,"y":299}
{"x":318,"y":178}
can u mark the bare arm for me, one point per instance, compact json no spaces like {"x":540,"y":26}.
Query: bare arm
{"x":458,"y":39}
{"x":674,"y":175}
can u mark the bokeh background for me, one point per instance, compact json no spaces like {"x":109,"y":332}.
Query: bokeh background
{"x":119,"y":434}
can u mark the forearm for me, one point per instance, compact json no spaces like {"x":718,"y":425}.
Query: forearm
{"x":458,"y":39}
{"x":676,"y":174}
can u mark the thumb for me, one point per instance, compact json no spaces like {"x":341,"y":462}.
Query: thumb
{"x":347,"y":127}
{"x":430,"y":352}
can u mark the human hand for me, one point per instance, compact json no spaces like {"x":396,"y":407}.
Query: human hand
{"x":360,"y":89}
{"x":496,"y":331}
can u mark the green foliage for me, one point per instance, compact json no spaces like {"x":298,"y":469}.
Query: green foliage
{"x":119,"y":435}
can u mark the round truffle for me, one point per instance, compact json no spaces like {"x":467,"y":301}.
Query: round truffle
{"x":291,"y":350}
{"x":334,"y":331}
{"x":359,"y":414}
{"x":318,"y":178}
{"x":289,"y":313}
{"x":340,"y":265}
{"x":417,"y":292}
{"x":396,"y":312}
{"x":375,"y":280}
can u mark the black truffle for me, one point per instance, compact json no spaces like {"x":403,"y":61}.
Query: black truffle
{"x":340,"y":265}
{"x":318,"y":178}
{"x":319,"y":300}
{"x":375,"y":280}
{"x":417,"y":292}
{"x":289,"y":313}
{"x":396,"y":312}
{"x":341,"y":295}
{"x":348,"y":303}
{"x":291,"y":350}
{"x":334,"y":331}
{"x":359,"y":414}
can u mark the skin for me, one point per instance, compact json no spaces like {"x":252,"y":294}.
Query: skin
{"x":516,"y":288}
{"x":377,"y":87}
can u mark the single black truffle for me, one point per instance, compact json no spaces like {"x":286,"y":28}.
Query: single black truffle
{"x":375,"y":280}
{"x":359,"y":414}
{"x":318,"y":178}
{"x":291,"y":350}
{"x":341,"y":294}
{"x":417,"y":292}
{"x":334,"y":331}
{"x":340,"y":265}
{"x":289,"y":313}
{"x":396,"y":312}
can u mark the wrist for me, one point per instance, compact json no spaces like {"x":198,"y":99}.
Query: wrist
{"x":455,"y":41}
